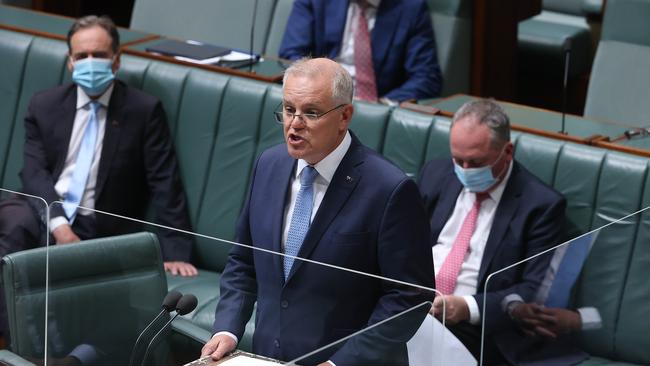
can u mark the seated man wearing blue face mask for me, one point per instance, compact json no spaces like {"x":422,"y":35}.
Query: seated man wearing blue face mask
{"x":99,"y":144}
{"x":486,"y":212}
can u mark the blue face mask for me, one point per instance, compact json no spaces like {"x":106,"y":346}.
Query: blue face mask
{"x":477,"y":179}
{"x":93,"y":75}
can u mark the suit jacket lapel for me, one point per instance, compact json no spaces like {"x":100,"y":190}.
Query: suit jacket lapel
{"x":445,"y":206}
{"x":337,"y":11}
{"x":277,"y":202}
{"x":65,"y":117}
{"x":114,"y":118}
{"x":386,"y":24}
{"x":342,"y":185}
{"x":502,"y":218}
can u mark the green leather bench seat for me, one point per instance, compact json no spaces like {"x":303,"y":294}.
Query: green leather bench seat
{"x":221,"y":123}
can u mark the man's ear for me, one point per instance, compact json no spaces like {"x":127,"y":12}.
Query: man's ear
{"x":346,"y":116}
{"x":116,"y":62}
{"x":70,"y":63}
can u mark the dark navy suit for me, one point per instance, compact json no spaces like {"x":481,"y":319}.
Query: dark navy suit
{"x":137,"y":162}
{"x":529,"y":219}
{"x":403,"y":45}
{"x":372,"y":220}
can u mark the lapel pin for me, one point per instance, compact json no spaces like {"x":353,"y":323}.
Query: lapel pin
{"x":349,"y":179}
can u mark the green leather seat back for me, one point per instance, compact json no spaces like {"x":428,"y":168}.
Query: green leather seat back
{"x":405,"y":143}
{"x":564,"y":6}
{"x":117,"y":280}
{"x":369,"y":124}
{"x":605,"y":270}
{"x":132,"y":70}
{"x":44,"y":68}
{"x":15,"y":47}
{"x":270,"y":132}
{"x":620,"y":84}
{"x":452,"y":27}
{"x":278,"y":25}
{"x":198,"y":122}
{"x":539,"y":155}
{"x":230,"y":163}
{"x":632,"y":329}
{"x":223,"y":23}
{"x":166,"y":81}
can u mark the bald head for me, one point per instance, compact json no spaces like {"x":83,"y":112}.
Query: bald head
{"x":341,"y":86}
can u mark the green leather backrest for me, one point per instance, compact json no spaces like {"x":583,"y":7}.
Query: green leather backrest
{"x":632,"y":339}
{"x":231,"y":160}
{"x":111,"y":278}
{"x":369,"y":124}
{"x":12,"y":64}
{"x":627,"y":21}
{"x":458,"y":8}
{"x":620,"y":84}
{"x":44,"y":68}
{"x":405,"y":143}
{"x":219,"y":22}
{"x":279,"y":19}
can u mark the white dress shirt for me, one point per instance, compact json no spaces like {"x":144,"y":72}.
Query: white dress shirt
{"x":81,"y":119}
{"x":346,"y":56}
{"x":467,"y":281}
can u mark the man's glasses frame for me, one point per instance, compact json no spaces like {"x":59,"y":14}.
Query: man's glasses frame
{"x":282,"y":115}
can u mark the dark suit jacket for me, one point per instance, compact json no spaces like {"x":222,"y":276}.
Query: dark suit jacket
{"x":371,"y":219}
{"x":403,"y":46}
{"x":529,"y":219}
{"x":137,"y":162}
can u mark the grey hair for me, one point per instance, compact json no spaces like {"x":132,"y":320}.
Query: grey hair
{"x":342,"y":85}
{"x":90,"y":21}
{"x":488,"y":112}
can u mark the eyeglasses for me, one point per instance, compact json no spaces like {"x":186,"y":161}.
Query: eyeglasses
{"x":287,"y":115}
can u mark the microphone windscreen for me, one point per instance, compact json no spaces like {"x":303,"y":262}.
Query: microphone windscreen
{"x":170,"y":301}
{"x":186,"y":304}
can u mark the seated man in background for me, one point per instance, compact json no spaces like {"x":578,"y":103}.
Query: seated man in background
{"x":325,"y":197}
{"x":100,"y":144}
{"x":486,"y":212}
{"x":386,"y":45}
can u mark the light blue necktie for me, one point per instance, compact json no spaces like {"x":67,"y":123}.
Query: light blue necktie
{"x":83,"y":163}
{"x":301,"y":217}
{"x":568,"y":272}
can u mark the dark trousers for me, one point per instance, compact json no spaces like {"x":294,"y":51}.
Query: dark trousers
{"x":470,"y":336}
{"x":22,"y":227}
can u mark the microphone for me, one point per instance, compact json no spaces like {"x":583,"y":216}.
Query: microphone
{"x":633,"y":134}
{"x":252,"y":58}
{"x":567,"y":54}
{"x":185,"y":305}
{"x":169,"y":303}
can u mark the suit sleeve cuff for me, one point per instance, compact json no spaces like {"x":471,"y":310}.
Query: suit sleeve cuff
{"x":512,"y":298}
{"x":472,"y":306}
{"x":85,"y":353}
{"x":57,"y":221}
{"x":590,"y":318}
{"x":227,"y":334}
{"x":331,"y":363}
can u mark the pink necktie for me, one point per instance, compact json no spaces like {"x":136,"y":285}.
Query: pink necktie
{"x":448,"y":274}
{"x":366,"y":87}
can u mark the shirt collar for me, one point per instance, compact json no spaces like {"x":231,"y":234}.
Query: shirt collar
{"x":327,"y":167}
{"x":83,"y":99}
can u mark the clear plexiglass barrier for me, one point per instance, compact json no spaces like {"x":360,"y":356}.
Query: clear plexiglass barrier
{"x":105,"y":296}
{"x":583,"y":298}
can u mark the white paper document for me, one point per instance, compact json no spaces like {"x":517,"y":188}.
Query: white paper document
{"x":435,"y":345}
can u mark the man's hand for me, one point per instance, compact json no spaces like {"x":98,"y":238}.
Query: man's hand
{"x":536,"y":320}
{"x":456,"y":309}
{"x":218,"y":346}
{"x":560,"y":321}
{"x":180,"y":268}
{"x":64,"y":235}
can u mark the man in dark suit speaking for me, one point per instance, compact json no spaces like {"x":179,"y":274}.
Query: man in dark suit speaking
{"x":100,"y":144}
{"x":487,"y":212}
{"x":326,"y":197}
